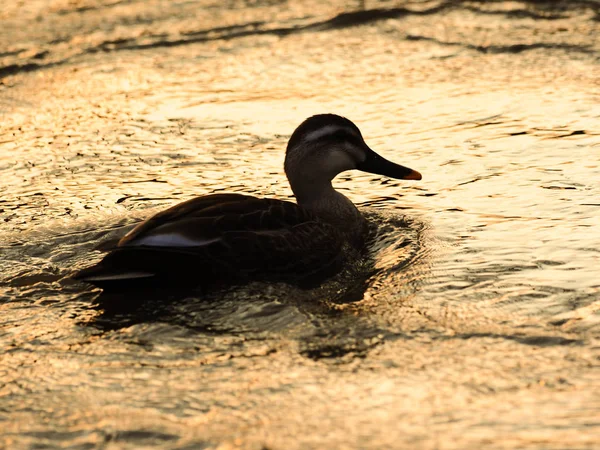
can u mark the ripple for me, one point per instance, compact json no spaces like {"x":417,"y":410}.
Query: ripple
{"x":477,"y":313}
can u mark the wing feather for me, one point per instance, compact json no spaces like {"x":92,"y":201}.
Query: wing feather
{"x":235,"y":236}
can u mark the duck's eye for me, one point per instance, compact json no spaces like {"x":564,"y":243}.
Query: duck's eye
{"x":343,"y":135}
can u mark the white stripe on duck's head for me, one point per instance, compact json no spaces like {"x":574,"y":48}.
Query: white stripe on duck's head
{"x":325,"y":145}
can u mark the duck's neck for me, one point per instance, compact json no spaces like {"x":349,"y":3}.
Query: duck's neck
{"x":329,"y":205}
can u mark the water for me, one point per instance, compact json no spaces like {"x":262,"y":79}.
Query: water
{"x":480,"y":327}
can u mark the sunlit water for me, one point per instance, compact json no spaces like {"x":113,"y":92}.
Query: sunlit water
{"x":478,"y":325}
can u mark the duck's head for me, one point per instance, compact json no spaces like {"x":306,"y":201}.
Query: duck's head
{"x":327,"y":144}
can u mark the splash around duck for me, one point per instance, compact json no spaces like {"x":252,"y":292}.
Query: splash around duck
{"x":235,"y":237}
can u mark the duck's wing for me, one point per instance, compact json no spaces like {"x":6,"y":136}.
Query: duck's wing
{"x":222,"y":236}
{"x":207,"y":218}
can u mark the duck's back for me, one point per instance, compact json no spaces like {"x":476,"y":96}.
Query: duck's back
{"x":222,"y":237}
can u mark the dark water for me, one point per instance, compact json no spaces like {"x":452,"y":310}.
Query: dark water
{"x":480,"y":328}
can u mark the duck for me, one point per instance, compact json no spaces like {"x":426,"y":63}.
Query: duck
{"x":232,"y":237}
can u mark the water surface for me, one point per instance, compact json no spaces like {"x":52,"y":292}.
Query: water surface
{"x":480,"y":326}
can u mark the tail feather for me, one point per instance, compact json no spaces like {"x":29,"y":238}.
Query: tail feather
{"x":108,"y":276}
{"x":125,"y":268}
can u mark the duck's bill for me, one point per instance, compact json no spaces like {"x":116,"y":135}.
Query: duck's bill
{"x":381,"y":166}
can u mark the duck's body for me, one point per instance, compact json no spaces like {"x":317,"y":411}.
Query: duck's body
{"x":222,"y":238}
{"x":232,"y":237}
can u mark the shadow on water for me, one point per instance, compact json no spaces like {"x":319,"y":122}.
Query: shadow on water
{"x":119,"y":309}
{"x":255,"y":311}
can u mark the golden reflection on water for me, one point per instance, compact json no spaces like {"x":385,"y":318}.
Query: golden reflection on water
{"x":480,"y":324}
